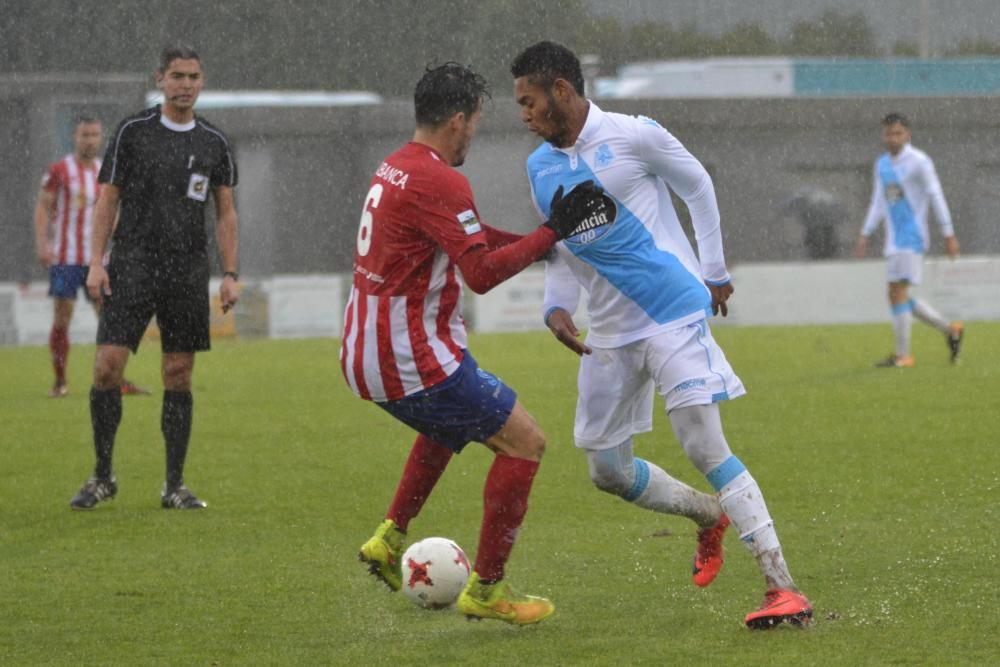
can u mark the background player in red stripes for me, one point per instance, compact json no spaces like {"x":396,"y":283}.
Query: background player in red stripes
{"x":64,"y":216}
{"x":404,"y":345}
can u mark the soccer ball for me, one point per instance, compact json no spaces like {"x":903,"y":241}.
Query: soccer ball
{"x":435,"y":570}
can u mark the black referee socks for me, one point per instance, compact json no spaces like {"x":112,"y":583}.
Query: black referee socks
{"x":175,"y":422}
{"x":105,"y":415}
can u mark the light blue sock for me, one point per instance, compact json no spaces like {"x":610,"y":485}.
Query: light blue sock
{"x":902,"y":326}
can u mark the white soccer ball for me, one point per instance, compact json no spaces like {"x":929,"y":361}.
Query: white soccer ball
{"x":435,"y":570}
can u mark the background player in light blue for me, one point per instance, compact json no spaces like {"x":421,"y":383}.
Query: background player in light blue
{"x":905,"y":185}
{"x":648,"y":299}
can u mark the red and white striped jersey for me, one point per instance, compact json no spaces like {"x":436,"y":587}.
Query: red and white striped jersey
{"x":403,"y":327}
{"x":75,"y":189}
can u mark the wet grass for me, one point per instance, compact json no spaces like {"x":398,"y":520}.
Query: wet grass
{"x":883,"y":484}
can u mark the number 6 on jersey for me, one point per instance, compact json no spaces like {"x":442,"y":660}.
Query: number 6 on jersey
{"x":365,"y":229}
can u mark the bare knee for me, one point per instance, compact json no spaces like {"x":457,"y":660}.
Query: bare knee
{"x":177,"y":370}
{"x":532,"y":446}
{"x":520,"y":437}
{"x":109,"y":366}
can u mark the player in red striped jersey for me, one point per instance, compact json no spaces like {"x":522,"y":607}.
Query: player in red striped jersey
{"x":404,"y":345}
{"x":65,"y":209}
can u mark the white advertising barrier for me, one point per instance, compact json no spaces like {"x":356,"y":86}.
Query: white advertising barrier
{"x":32,"y":315}
{"x":29,"y":314}
{"x":826,"y":292}
{"x":516,"y":305}
{"x":834,"y":292}
{"x":297,"y":307}
{"x":852,"y":292}
{"x":306,"y":306}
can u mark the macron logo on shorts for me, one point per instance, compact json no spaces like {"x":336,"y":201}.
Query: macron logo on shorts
{"x":469,"y":222}
{"x":689,"y":384}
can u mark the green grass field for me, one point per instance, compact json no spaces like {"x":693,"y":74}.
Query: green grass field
{"x":883,"y":484}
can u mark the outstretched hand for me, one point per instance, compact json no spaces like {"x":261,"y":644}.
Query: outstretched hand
{"x":566,"y":213}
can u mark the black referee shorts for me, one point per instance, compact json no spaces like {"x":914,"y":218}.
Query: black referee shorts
{"x":177,"y":296}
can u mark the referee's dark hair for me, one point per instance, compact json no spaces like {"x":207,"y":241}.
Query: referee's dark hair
{"x":545,"y":62}
{"x":446,"y":90}
{"x":175,"y":52}
{"x":895,"y":117}
{"x":85,"y":118}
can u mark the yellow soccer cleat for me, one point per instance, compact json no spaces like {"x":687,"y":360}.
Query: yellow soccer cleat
{"x":383,"y":554}
{"x":499,"y":601}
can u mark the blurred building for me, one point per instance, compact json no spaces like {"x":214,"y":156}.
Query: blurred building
{"x":37,"y":115}
{"x":305,"y":166}
{"x":803,"y":77}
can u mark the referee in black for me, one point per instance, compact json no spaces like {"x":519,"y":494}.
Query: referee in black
{"x":161,"y":166}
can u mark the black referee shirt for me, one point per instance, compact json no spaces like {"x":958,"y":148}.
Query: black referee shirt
{"x":165,"y":176}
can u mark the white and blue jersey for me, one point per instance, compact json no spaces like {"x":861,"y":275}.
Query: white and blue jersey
{"x":638,"y":268}
{"x":905,"y":185}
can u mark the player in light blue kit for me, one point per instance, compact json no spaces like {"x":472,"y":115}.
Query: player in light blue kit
{"x":649,"y":299}
{"x":906,"y":183}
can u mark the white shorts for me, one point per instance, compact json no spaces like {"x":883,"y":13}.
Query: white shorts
{"x":905,"y":266}
{"x":684,"y":365}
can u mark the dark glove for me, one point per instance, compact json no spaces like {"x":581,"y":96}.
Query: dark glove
{"x":567,"y":213}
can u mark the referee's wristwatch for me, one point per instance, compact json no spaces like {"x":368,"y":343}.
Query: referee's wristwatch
{"x":235,"y":276}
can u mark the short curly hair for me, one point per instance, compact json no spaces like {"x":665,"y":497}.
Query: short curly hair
{"x":446,"y":90}
{"x":545,"y":62}
{"x":895,"y":117}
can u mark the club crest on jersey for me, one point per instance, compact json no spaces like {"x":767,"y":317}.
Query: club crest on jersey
{"x":469,"y":222}
{"x":603,"y":156}
{"x":600,"y":221}
{"x":893,"y":193}
{"x":198,"y":187}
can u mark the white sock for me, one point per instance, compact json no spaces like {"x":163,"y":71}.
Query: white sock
{"x":742,"y":500}
{"x":617,"y":471}
{"x":902,"y":325}
{"x":926,"y":313}
{"x":665,"y":494}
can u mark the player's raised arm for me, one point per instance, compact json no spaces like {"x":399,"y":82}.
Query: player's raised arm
{"x":498,"y":238}
{"x":484,"y":269}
